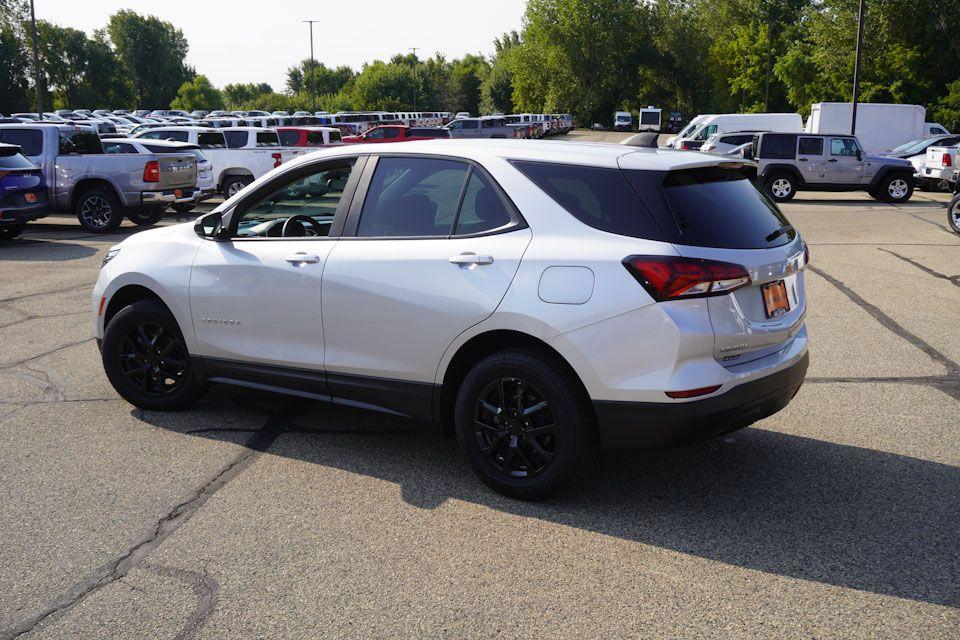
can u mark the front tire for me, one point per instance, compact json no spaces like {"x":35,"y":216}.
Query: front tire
{"x":782,"y":186}
{"x":953,"y":214}
{"x":99,"y":211}
{"x":896,"y":189}
{"x":523,"y":423}
{"x":146,"y":217}
{"x":146,"y":360}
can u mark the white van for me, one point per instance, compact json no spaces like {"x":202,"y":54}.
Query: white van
{"x":731,"y":122}
{"x":649,"y":119}
{"x":693,"y":124}
{"x":622,"y":121}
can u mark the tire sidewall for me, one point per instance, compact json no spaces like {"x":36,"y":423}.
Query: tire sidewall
{"x":782,"y":175}
{"x":240,"y":180}
{"x":116,"y":212}
{"x":125,"y":320}
{"x":954,"y":209}
{"x":885,"y":188}
{"x":556,"y":389}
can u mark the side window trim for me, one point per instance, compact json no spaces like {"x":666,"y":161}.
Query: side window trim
{"x":352,"y":223}
{"x":336,"y":227}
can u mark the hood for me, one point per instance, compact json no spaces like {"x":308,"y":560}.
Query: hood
{"x":887,"y":160}
{"x":152,"y":235}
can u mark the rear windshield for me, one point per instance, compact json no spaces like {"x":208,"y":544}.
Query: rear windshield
{"x":720,"y":207}
{"x":15,"y":161}
{"x":598,"y":197}
{"x":650,"y":117}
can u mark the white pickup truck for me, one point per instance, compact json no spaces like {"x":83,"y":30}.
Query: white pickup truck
{"x":941,"y":165}
{"x":238,"y":155}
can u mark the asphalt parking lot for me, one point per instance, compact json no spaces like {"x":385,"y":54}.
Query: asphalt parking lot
{"x":256,"y":516}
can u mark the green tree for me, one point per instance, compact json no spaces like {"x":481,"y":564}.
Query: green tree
{"x":464,"y":84}
{"x":946,"y":111}
{"x":387,"y":86}
{"x":14,"y":87}
{"x":236,"y":95}
{"x":153,"y":53}
{"x":198,"y":94}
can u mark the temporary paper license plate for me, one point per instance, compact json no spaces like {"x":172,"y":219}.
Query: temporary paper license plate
{"x":775,"y":299}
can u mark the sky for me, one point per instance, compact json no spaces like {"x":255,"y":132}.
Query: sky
{"x":256,"y":41}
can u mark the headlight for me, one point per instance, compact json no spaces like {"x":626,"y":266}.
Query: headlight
{"x":111,"y":254}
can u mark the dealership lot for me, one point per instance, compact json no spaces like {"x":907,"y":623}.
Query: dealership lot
{"x":259,"y":516}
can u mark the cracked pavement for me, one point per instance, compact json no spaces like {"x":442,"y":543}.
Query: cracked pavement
{"x":254,"y":515}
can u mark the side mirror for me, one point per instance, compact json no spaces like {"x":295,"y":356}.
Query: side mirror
{"x":208,"y":226}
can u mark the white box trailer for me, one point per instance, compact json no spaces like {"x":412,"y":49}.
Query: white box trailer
{"x":880,"y":127}
{"x":649,"y":119}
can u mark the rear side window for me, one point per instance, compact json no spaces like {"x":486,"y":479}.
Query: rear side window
{"x":82,"y":142}
{"x":412,"y":197}
{"x":212,"y":140}
{"x":289,"y":138}
{"x":30,"y":140}
{"x":598,"y":197}
{"x":267,"y":139}
{"x":810,"y":147}
{"x":235,"y":139}
{"x":483,"y":209}
{"x":722,"y":208}
{"x":335,"y":136}
{"x":777,"y":147}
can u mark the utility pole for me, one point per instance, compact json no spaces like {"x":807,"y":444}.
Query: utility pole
{"x":856,"y":66}
{"x":313,"y":63}
{"x":36,"y":62}
{"x":415,"y":81}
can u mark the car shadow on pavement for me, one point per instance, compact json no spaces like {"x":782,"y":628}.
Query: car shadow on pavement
{"x":37,"y":250}
{"x":763,"y":500}
{"x":860,"y":204}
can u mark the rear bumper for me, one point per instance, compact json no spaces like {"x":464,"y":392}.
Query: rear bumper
{"x":169,"y":196}
{"x":652,"y":425}
{"x":21,"y":214}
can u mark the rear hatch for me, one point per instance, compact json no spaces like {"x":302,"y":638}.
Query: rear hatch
{"x":720,"y":213}
{"x":177,"y":171}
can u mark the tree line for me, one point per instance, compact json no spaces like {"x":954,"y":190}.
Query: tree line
{"x":586,"y":57}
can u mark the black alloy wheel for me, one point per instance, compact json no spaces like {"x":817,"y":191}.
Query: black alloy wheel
{"x":153,"y":360}
{"x":515,"y":428}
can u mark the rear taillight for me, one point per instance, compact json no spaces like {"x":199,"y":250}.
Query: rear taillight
{"x":276,"y":159}
{"x":947,"y":161}
{"x":674,"y":277}
{"x":151,"y":171}
{"x":692,"y":393}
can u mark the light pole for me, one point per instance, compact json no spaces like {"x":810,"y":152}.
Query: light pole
{"x":415,"y":82}
{"x":36,"y":62}
{"x":313,"y":90}
{"x":856,"y":66}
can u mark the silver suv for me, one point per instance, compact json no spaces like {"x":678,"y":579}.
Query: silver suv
{"x":789,"y":162}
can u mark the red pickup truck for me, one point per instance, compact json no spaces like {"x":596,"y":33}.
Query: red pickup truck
{"x":398,"y":133}
{"x":309,"y":136}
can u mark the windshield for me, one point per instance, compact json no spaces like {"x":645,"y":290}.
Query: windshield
{"x":914,"y":146}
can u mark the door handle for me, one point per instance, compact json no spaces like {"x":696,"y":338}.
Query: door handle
{"x":802,"y":159}
{"x":832,"y":160}
{"x":303,"y":258}
{"x":471,"y":259}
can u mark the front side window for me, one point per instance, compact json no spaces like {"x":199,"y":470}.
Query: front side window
{"x":304,"y":207}
{"x":412,"y":197}
{"x":391,"y":132}
{"x":706,"y":132}
{"x":374,"y":134}
{"x":843,"y":147}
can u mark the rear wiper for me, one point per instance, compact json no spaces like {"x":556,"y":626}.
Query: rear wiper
{"x":779,"y":232}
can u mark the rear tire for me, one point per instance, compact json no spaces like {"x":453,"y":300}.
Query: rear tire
{"x":146,"y":217}
{"x":99,"y":210}
{"x":146,"y":360}
{"x":782,"y":186}
{"x":233,"y":185}
{"x":523,"y":423}
{"x":12,"y":231}
{"x":896,"y":189}
{"x":953,"y":214}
